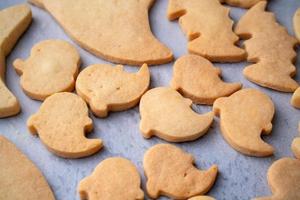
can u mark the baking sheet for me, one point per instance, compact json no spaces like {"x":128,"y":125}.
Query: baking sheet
{"x":240,"y":177}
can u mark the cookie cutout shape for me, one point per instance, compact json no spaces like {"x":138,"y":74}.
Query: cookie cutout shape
{"x":202,"y":21}
{"x":166,"y":114}
{"x":244,"y":116}
{"x":61,"y":124}
{"x":296,"y":22}
{"x":171,"y":172}
{"x":295,"y":101}
{"x":270,"y":47}
{"x":52,"y":67}
{"x":13,"y":23}
{"x":241,"y":3}
{"x":196,"y":78}
{"x":113,"y":178}
{"x":96,"y":26}
{"x":20,"y":179}
{"x":296,"y":147}
{"x":201,"y":198}
{"x":106,"y":88}
{"x":284,"y":179}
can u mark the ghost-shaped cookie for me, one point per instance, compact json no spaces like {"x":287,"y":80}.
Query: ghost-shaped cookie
{"x":171,"y":172}
{"x":196,"y":78}
{"x":52,"y":67}
{"x":284,"y":179}
{"x":113,"y":178}
{"x":13,"y":23}
{"x":118,"y":31}
{"x":295,"y":101}
{"x":244,"y":116}
{"x":168,"y":115}
{"x":20,"y":179}
{"x":61,"y":123}
{"x":106,"y":88}
{"x":241,"y":3}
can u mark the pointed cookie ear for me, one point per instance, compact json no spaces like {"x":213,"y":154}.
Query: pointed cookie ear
{"x":19,"y":66}
{"x":31,"y":122}
{"x":144,"y":71}
{"x":152,"y":191}
{"x":145,"y":130}
{"x":218,"y":104}
{"x":100,"y":109}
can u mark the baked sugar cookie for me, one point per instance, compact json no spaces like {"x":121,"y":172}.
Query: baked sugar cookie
{"x":166,"y":114}
{"x":196,"y":78}
{"x":113,"y":178}
{"x":61,"y":124}
{"x":52,"y":67}
{"x":171,"y":172}
{"x":241,"y":3}
{"x":201,"y":198}
{"x":270,"y":47}
{"x":106,"y":88}
{"x":284,"y":179}
{"x":209,"y":29}
{"x":13,"y":23}
{"x":296,"y":22}
{"x":296,"y":147}
{"x":244,"y":116}
{"x":20,"y":179}
{"x":96,"y":26}
{"x":295,"y":101}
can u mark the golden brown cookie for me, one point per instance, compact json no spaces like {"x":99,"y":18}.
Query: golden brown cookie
{"x":113,"y":178}
{"x":13,"y":23}
{"x":171,"y":172}
{"x":295,"y":101}
{"x":201,"y":198}
{"x":106,"y":88}
{"x":61,"y":123}
{"x":52,"y":67}
{"x":96,"y":25}
{"x":196,"y":78}
{"x":241,"y":3}
{"x":296,"y":22}
{"x":284,"y":179}
{"x":166,"y":114}
{"x":296,"y":147}
{"x":20,"y":179}
{"x":270,"y":47}
{"x":244,"y":116}
{"x":208,"y":28}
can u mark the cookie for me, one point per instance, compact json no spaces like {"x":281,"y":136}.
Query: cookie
{"x":270,"y":47}
{"x":38,"y":3}
{"x":244,"y":116}
{"x":208,"y":28}
{"x":96,"y":26}
{"x":201,"y":198}
{"x":196,"y":78}
{"x":113,"y":178}
{"x":20,"y":179}
{"x":295,"y":101}
{"x":296,"y":22}
{"x":296,"y":147}
{"x":241,"y":3}
{"x":284,"y":179}
{"x":52,"y":67}
{"x":166,"y":114}
{"x":61,"y":123}
{"x":171,"y":172}
{"x":13,"y":23}
{"x":106,"y":88}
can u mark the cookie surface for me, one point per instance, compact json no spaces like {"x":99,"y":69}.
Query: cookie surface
{"x":270,"y":47}
{"x":13,"y":23}
{"x":20,"y":179}
{"x":61,"y":124}
{"x":296,"y":23}
{"x":241,"y":3}
{"x":284,"y":179}
{"x":252,"y":112}
{"x":113,"y":178}
{"x":106,"y":88}
{"x":96,"y":25}
{"x":52,"y":67}
{"x":166,"y":114}
{"x":202,"y":21}
{"x":201,"y":198}
{"x":196,"y":78}
{"x":296,"y":147}
{"x":295,"y":101}
{"x":171,"y":172}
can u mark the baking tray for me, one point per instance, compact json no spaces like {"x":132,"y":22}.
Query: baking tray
{"x":241,"y":177}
